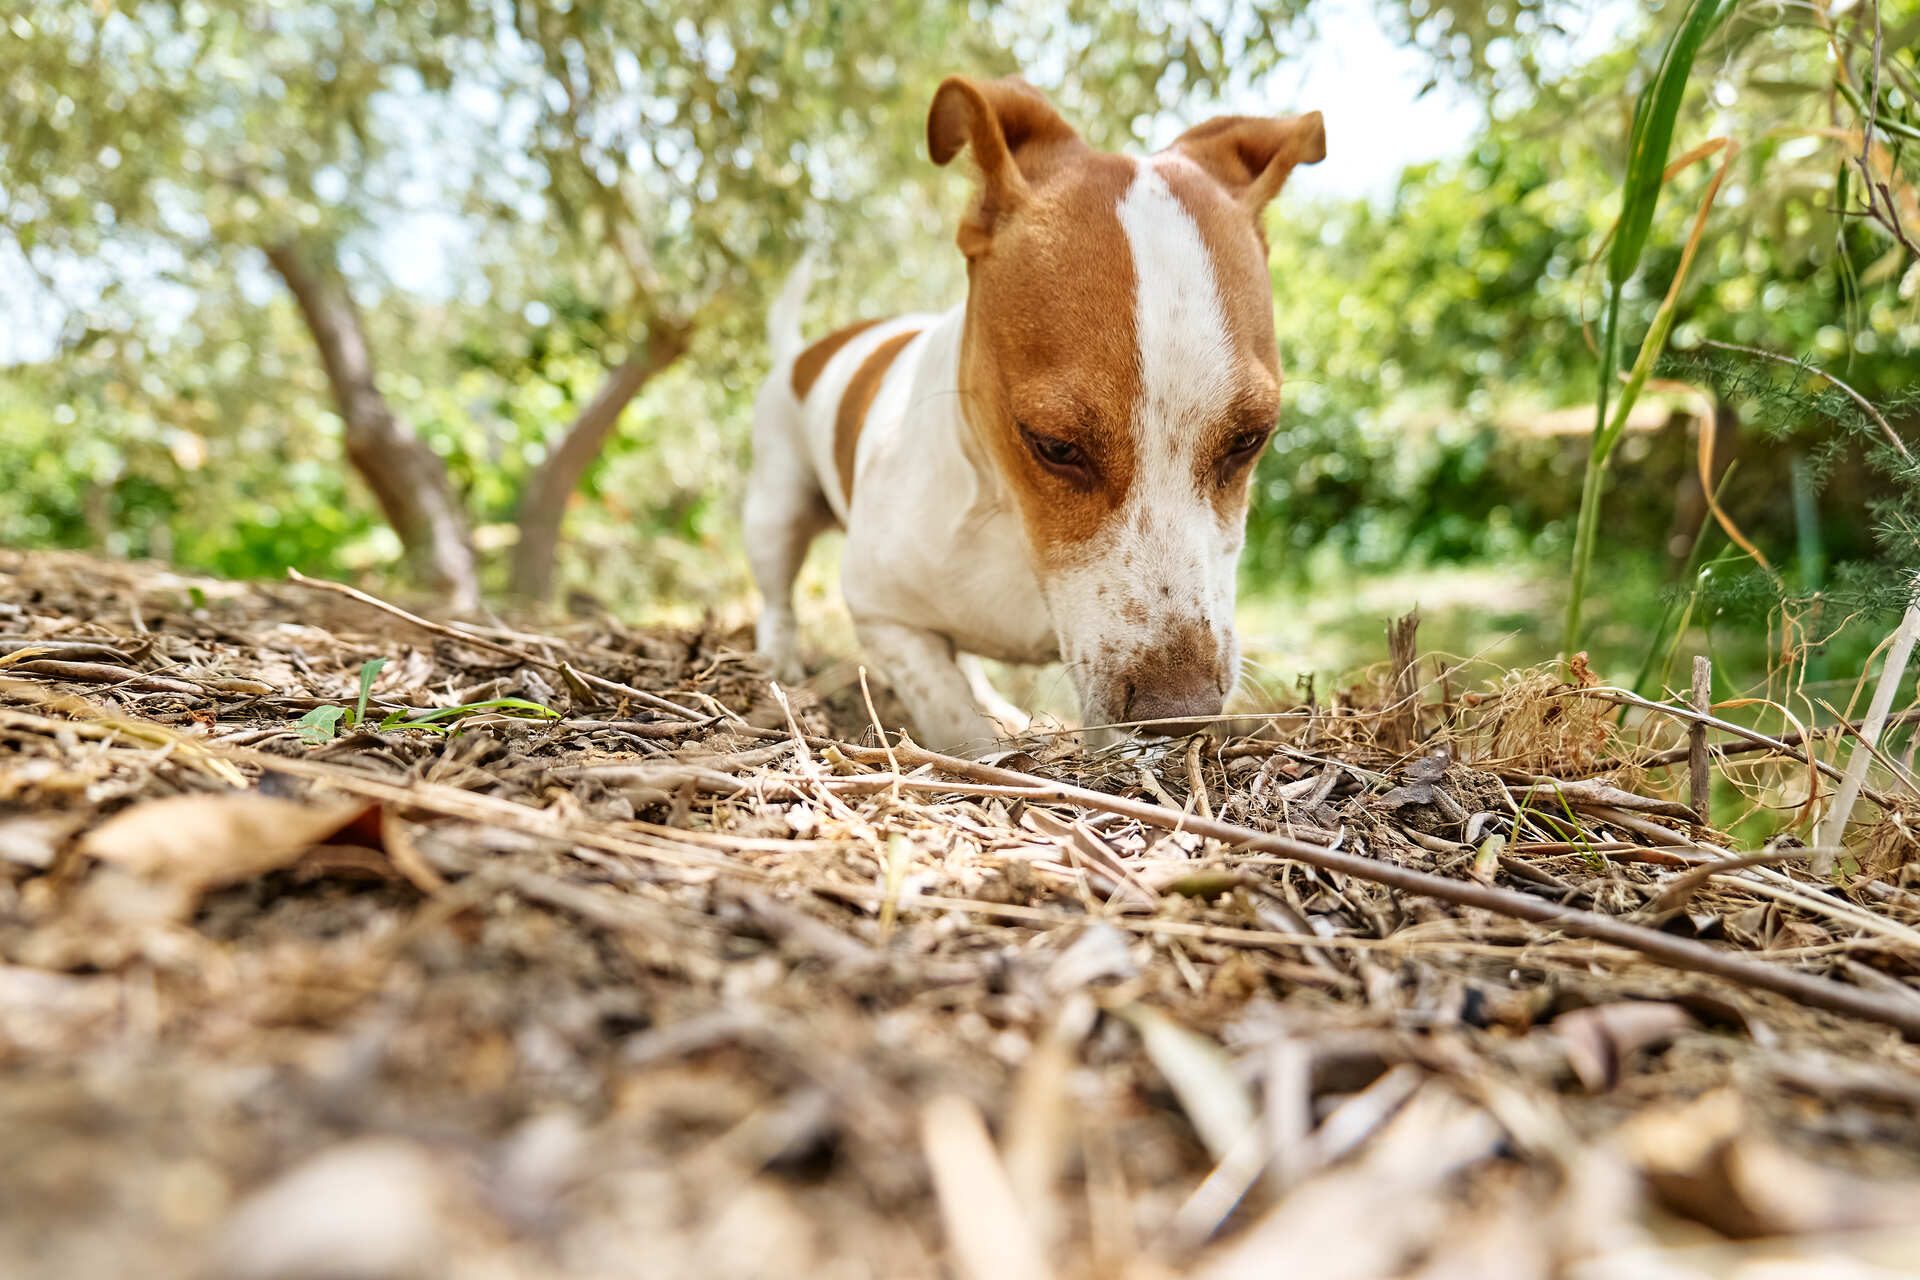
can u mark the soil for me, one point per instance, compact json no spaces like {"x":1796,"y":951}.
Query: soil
{"x":620,"y":966}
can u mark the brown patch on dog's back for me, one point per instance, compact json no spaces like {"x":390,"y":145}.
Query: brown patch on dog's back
{"x":811,"y":363}
{"x":856,"y":400}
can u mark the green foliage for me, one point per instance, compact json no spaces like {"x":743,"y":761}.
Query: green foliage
{"x":1647,"y":154}
{"x":320,"y":724}
{"x":1413,"y":338}
{"x":1851,"y":459}
{"x":369,"y":672}
{"x":1650,"y":142}
{"x":444,"y":719}
{"x":1422,"y":339}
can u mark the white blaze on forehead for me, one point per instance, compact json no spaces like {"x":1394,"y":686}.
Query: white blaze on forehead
{"x":1158,"y":583}
{"x":1186,"y":357}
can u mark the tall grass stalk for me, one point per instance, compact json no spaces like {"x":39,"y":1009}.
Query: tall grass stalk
{"x":1647,"y":172}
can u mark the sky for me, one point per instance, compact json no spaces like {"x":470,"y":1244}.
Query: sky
{"x":1365,"y":83}
{"x":1367,"y":86}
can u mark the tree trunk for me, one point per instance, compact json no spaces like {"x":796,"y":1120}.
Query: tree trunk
{"x":543,"y":504}
{"x":408,"y":480}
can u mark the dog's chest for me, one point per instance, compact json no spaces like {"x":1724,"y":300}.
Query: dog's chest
{"x":992,"y":601}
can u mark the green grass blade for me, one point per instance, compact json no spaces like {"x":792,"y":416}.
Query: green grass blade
{"x":1652,"y":135}
{"x":1648,"y":142}
{"x":369,"y":672}
{"x":432,"y":719}
{"x":1689,"y":574}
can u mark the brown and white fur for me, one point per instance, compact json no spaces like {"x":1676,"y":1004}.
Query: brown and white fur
{"x":1058,"y":468}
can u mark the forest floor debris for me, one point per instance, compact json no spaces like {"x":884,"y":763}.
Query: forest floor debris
{"x":334,"y":944}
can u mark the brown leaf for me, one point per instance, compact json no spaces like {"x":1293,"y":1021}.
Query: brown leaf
{"x":1704,"y":1160}
{"x":1599,"y":1039}
{"x":200,"y":842}
{"x":987,"y":1227}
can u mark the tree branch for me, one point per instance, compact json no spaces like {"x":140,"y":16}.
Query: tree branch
{"x":543,"y":504}
{"x":408,"y":480}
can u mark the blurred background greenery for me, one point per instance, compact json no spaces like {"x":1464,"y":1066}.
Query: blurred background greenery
{"x":554,"y":228}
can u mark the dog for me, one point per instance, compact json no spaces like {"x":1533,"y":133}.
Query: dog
{"x":1058,"y":468}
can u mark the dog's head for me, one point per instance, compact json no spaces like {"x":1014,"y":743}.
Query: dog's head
{"x":1120,"y":367}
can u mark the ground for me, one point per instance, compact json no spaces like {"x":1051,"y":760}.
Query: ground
{"x":622,"y":966}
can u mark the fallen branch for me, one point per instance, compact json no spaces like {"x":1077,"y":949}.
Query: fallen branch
{"x":1677,"y":755}
{"x":1628,"y":699}
{"x":1667,"y":949}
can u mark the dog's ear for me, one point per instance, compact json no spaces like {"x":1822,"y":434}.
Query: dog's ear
{"x":1251,"y":156}
{"x":1014,"y":132}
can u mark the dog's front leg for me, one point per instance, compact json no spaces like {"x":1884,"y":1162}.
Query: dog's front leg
{"x":922,"y":668}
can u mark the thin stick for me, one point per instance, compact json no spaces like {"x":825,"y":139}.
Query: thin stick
{"x":1699,"y":776}
{"x":1403,"y":656}
{"x":1627,"y":698}
{"x":873,"y":718}
{"x":1674,"y":755}
{"x":1667,"y":949}
{"x":1891,"y":677}
{"x":1886,"y":428}
{"x":1196,"y":779}
{"x":601,"y":683}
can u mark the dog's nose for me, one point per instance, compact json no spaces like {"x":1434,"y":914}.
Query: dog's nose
{"x":1174,"y":695}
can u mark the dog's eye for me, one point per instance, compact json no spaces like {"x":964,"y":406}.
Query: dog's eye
{"x":1244,"y":446}
{"x":1055,"y":453}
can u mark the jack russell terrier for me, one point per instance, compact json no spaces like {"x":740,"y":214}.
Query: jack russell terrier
{"x":1058,"y":468}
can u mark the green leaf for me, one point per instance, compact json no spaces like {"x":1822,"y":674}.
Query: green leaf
{"x":1648,"y":142}
{"x":320,"y":724}
{"x":431,"y":719}
{"x":369,"y":672}
{"x":1652,"y":135}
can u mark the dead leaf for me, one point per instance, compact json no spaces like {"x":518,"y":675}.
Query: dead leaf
{"x":988,"y":1231}
{"x":200,"y":842}
{"x":1598,"y":1040}
{"x":1217,"y":1101}
{"x":1705,"y":1160}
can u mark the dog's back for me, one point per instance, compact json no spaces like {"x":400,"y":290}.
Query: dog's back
{"x":809,"y":419}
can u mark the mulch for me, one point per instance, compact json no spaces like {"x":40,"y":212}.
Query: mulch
{"x":585,"y":951}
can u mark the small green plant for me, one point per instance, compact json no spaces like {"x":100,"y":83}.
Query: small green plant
{"x":443,"y":719}
{"x":322,"y":723}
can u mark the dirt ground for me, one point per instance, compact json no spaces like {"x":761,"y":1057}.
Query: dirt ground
{"x":582,"y":952}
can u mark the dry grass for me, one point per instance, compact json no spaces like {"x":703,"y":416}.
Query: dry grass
{"x":686,"y":981}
